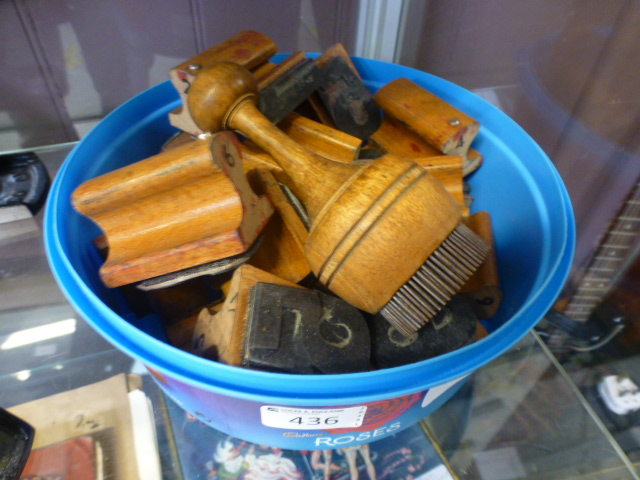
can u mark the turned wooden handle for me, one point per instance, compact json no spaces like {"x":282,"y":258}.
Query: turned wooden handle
{"x":441,"y":124}
{"x":394,"y":137}
{"x":247,"y":48}
{"x":316,"y":137}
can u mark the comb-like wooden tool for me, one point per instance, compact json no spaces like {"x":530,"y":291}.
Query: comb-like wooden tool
{"x":385,"y":236}
{"x":185,"y":207}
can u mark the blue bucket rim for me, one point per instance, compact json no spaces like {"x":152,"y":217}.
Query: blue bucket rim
{"x":291,"y":389}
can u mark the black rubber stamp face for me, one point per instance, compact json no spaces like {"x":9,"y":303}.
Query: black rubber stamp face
{"x":400,"y":340}
{"x":335,"y":332}
{"x":452,"y":328}
{"x":304,"y":331}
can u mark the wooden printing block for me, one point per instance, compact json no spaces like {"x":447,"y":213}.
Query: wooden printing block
{"x":179,"y":209}
{"x":304,"y":331}
{"x":220,"y":335}
{"x":394,"y":137}
{"x":334,"y":51}
{"x":348,"y":100}
{"x":314,"y":107}
{"x":247,"y":48}
{"x":284,"y":94}
{"x":483,"y":287}
{"x":452,"y":328}
{"x":249,"y":320}
{"x":438,"y":122}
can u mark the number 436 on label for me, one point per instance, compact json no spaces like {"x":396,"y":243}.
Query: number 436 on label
{"x":312,"y":419}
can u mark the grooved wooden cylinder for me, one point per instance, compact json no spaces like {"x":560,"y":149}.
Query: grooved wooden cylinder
{"x":371,"y":239}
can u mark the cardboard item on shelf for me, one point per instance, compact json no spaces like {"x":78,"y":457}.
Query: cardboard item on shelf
{"x":102,"y":430}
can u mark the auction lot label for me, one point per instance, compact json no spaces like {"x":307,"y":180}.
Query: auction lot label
{"x":312,"y":419}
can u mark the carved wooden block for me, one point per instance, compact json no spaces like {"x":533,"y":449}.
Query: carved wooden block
{"x":394,"y":137}
{"x":184,"y":207}
{"x":221,"y":335}
{"x":438,"y":122}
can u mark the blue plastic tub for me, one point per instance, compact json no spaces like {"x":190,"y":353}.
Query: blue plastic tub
{"x":534,"y":235}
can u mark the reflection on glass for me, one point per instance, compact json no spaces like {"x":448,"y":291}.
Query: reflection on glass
{"x":519,"y":417}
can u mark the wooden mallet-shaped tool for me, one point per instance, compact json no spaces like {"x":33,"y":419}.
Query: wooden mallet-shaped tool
{"x":385,"y":236}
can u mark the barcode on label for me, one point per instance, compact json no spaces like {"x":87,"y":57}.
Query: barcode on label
{"x":311,"y":418}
